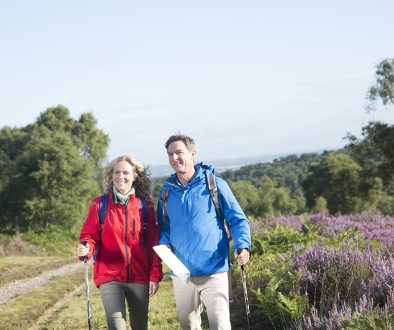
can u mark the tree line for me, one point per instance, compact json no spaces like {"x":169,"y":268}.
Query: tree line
{"x":50,"y":169}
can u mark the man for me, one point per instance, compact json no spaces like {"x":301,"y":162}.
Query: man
{"x":190,"y":226}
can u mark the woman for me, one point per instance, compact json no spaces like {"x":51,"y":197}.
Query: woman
{"x":126,"y":267}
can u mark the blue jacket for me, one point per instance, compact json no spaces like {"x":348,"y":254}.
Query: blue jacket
{"x":194,"y":231}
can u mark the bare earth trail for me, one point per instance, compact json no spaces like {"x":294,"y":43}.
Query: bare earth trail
{"x":17,"y":288}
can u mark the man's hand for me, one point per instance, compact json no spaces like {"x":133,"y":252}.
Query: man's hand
{"x":241,"y":256}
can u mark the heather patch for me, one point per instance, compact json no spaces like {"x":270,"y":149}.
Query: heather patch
{"x":322,"y":272}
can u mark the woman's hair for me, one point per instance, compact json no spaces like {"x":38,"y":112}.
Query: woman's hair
{"x":142,"y":183}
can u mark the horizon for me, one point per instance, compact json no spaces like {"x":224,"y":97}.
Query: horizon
{"x":160,"y":170}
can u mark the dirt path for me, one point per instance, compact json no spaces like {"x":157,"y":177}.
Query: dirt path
{"x":16,"y":288}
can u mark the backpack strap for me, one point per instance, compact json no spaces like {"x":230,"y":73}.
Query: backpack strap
{"x":102,"y":211}
{"x":214,"y":192}
{"x":164,"y":197}
{"x":144,"y":210}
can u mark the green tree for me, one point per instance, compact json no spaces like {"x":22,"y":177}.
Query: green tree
{"x":383,"y":88}
{"x":49,"y":170}
{"x":247,"y":195}
{"x":274,"y":200}
{"x":320,"y":205}
{"x":375,"y":152}
{"x":336,"y":178}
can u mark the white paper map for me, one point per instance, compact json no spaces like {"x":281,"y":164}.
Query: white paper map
{"x":172,"y":261}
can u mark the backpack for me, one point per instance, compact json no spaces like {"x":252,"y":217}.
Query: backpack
{"x":213,"y":192}
{"x":102,"y":212}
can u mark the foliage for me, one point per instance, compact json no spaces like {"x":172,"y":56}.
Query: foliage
{"x":247,"y":195}
{"x":383,"y":87}
{"x":338,"y":179}
{"x":320,"y":205}
{"x":54,"y":240}
{"x":322,"y":272}
{"x":49,"y":170}
{"x":375,"y":153}
{"x":264,"y":199}
{"x":288,"y":172}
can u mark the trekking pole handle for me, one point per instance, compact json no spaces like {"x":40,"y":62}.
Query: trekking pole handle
{"x":84,"y":244}
{"x":238,"y":252}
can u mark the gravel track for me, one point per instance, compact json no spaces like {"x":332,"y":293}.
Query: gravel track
{"x":16,"y":288}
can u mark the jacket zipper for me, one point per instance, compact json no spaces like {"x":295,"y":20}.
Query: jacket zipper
{"x":125,"y":243}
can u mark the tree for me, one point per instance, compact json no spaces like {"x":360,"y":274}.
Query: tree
{"x":336,"y":178}
{"x":274,"y":200}
{"x":383,"y":88}
{"x":320,"y":205}
{"x":247,"y":196}
{"x":49,"y":170}
{"x":374,"y":152}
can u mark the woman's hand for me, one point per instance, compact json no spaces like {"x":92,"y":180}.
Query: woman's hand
{"x":82,"y":250}
{"x":153,"y":287}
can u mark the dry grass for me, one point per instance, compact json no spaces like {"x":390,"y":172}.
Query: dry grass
{"x":61,"y":303}
{"x":14,"y":268}
{"x":24,"y":311}
{"x":162,"y":314}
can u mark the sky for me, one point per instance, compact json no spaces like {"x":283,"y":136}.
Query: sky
{"x":243,"y":78}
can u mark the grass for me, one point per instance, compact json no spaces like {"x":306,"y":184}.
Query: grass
{"x":23,"y":267}
{"x":162,"y":314}
{"x":61,"y":303}
{"x":34,"y":303}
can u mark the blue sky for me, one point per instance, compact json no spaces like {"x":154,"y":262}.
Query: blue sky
{"x":243,"y":78}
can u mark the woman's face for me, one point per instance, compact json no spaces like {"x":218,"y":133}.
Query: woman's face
{"x":123,"y":177}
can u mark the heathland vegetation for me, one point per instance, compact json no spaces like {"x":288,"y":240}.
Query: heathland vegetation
{"x":322,"y":227}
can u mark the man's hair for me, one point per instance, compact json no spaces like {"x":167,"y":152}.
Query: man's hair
{"x":187,"y":140}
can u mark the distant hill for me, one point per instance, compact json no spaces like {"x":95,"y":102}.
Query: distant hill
{"x":288,"y":171}
{"x":221,"y":165}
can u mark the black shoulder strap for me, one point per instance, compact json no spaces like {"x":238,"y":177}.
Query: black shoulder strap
{"x":214,"y":192}
{"x":164,"y":197}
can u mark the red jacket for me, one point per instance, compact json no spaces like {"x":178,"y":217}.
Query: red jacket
{"x":125,"y":251}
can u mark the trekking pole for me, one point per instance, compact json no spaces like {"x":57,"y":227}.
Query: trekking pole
{"x":246,"y":298}
{"x":85,"y":266}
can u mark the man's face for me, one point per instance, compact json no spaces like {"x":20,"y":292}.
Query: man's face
{"x":180,"y":159}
